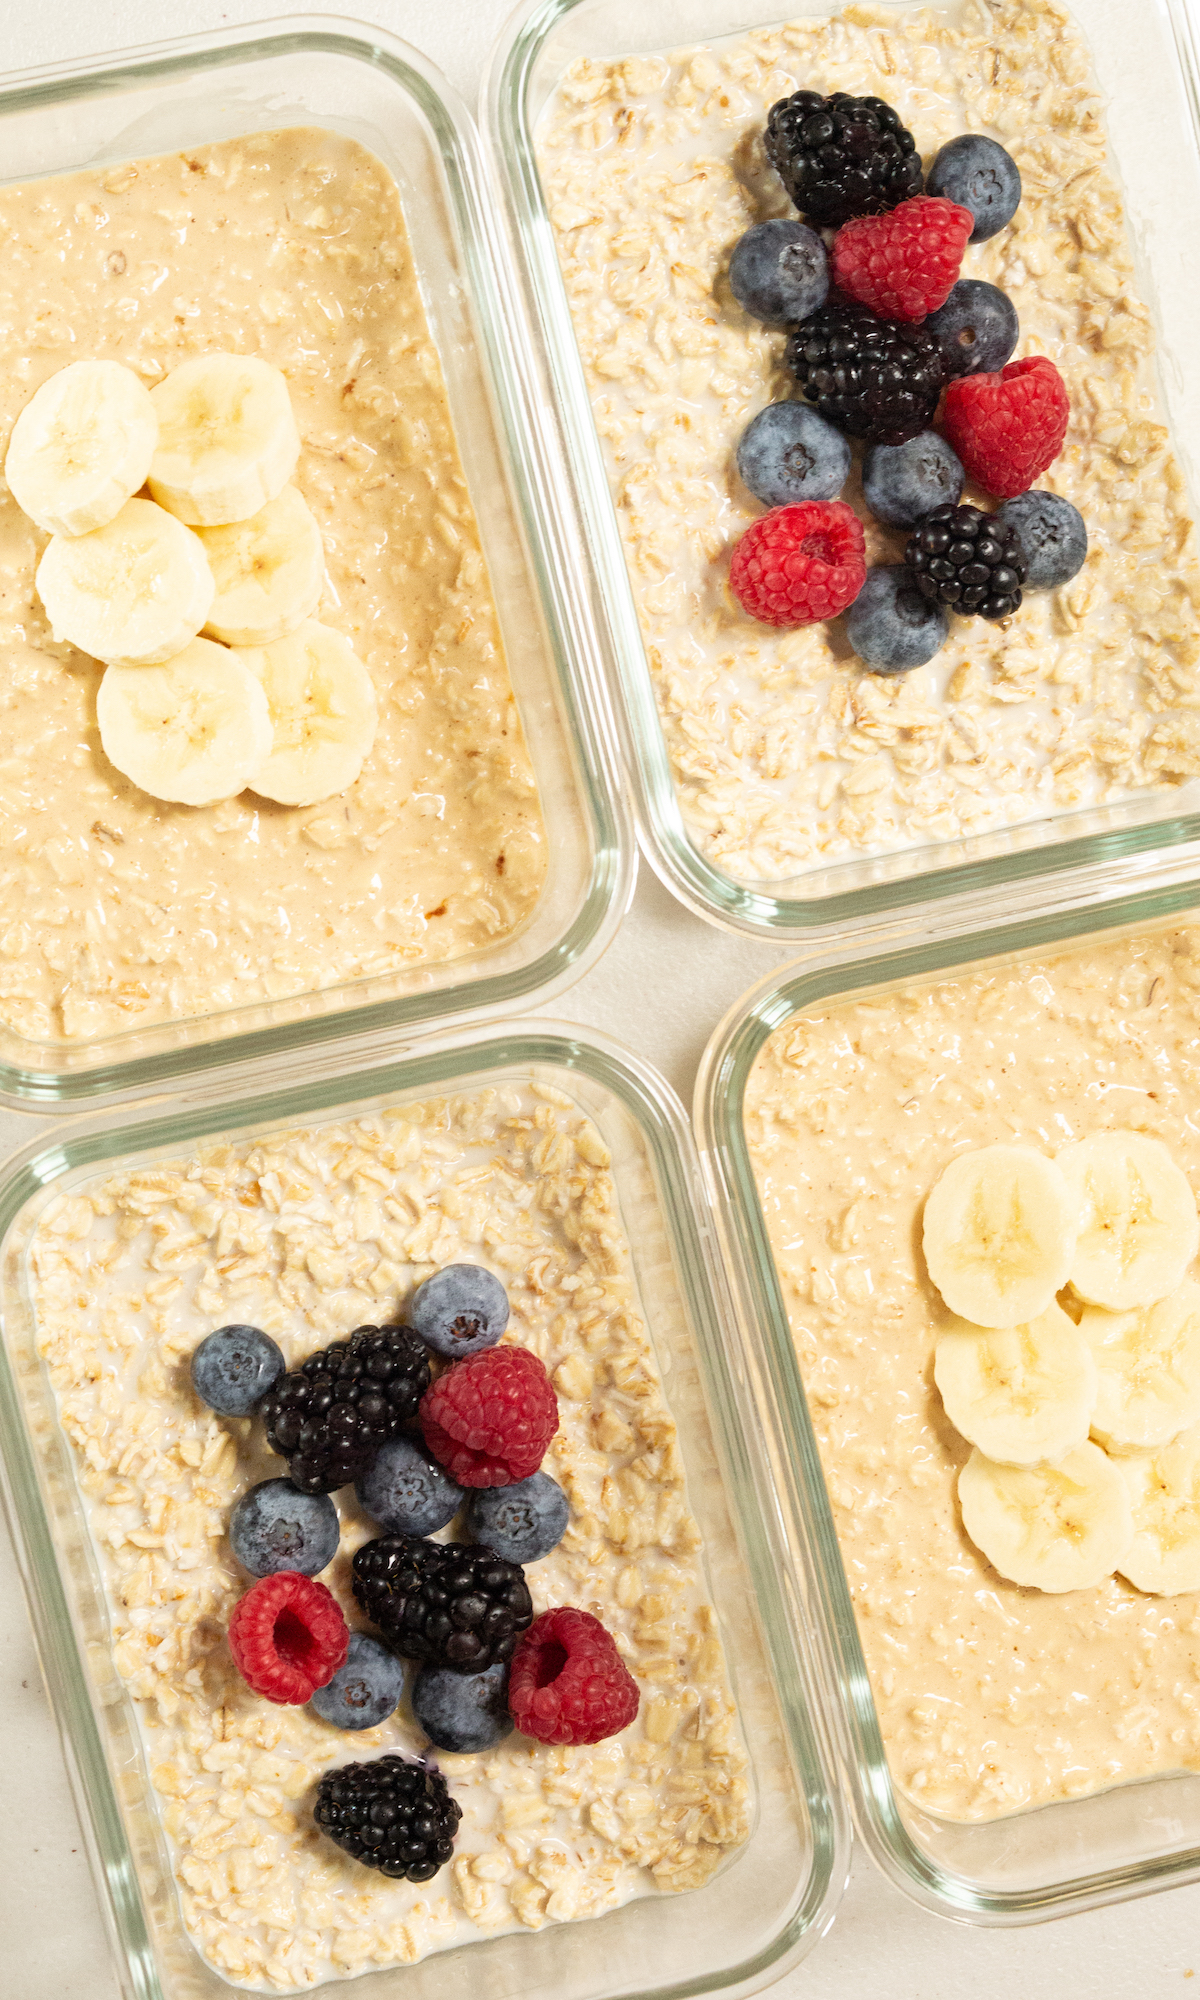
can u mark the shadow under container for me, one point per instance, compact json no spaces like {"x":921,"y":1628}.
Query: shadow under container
{"x":368,"y":86}
{"x":774,"y":1897}
{"x":1145,"y":58}
{"x":1049,"y":1860}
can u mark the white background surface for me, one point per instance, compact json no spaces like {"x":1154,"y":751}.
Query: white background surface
{"x":662,"y":988}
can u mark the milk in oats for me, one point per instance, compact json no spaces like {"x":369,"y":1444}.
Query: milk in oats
{"x":309,"y":1234}
{"x":786,"y":754}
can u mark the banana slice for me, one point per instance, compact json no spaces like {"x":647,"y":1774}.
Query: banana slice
{"x":1055,"y":1527}
{"x":1164,"y":1491}
{"x":191,"y":731}
{"x":1022,"y":1394}
{"x":269,"y":572}
{"x":1000,"y":1235}
{"x":227,"y":438}
{"x":1138,"y":1228}
{"x":133,"y":593}
{"x":81,"y":446}
{"x":322,"y":706}
{"x":1148,"y":1364}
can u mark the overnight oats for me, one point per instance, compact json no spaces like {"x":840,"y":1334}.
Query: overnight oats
{"x":980,"y":1195}
{"x":478,"y":1684}
{"x":267,"y":738}
{"x":909,"y":548}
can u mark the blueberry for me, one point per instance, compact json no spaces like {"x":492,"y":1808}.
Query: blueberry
{"x":407,"y":1491}
{"x":519,"y":1522}
{"x":779,"y":272}
{"x":789,"y":453}
{"x":891,"y":626}
{"x":463,"y":1712}
{"x":977,"y":329}
{"x":274,"y":1526}
{"x":460,"y":1310}
{"x":366,"y":1690}
{"x":904,"y":482}
{"x":1051,"y":536}
{"x":979,"y":175}
{"x":233,"y":1368}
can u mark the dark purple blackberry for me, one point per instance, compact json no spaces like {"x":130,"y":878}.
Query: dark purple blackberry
{"x":967,"y":560}
{"x":874,"y":378}
{"x":841,"y":156}
{"x":393,"y":1815}
{"x":329,"y":1418}
{"x":447,"y":1605}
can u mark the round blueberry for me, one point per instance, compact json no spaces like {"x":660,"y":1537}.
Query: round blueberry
{"x":779,"y":272}
{"x":891,"y":626}
{"x":463,"y":1712}
{"x":904,"y":482}
{"x":233,"y":1368}
{"x":788,"y":454}
{"x":460,"y":1310}
{"x":407,"y":1491}
{"x":977,"y":329}
{"x":1052,"y":537}
{"x":366,"y":1690}
{"x":979,"y":175}
{"x":519,"y":1522}
{"x":274,"y":1526}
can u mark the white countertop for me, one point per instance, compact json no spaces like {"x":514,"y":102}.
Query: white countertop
{"x":661,"y":989}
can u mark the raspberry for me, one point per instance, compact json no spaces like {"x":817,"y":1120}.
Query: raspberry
{"x":906,"y":264}
{"x":1008,"y":428}
{"x":489,"y":1419}
{"x":799,"y":564}
{"x":568,"y":1683}
{"x":288,"y":1637}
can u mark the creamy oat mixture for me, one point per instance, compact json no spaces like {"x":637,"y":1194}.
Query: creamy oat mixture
{"x":309,"y":1234}
{"x":786,"y":754}
{"x":991,"y":1697}
{"x":120,"y":910}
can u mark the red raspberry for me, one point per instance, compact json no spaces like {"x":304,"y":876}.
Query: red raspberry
{"x":1008,"y":428}
{"x":906,"y":264}
{"x":489,"y":1419}
{"x":800,"y":564}
{"x":288,"y":1637}
{"x":568,"y":1683}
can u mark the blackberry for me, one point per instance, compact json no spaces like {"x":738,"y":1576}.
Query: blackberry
{"x":392,"y":1815}
{"x":967,"y":560}
{"x":841,"y":156}
{"x":329,"y":1417}
{"x":443,"y":1604}
{"x":873,"y":378}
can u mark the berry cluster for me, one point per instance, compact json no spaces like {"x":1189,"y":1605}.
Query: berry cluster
{"x":419,"y":1450}
{"x":882,"y":331}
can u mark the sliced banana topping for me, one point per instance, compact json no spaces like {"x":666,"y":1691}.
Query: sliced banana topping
{"x":1148,"y":1363}
{"x":1054,"y":1527}
{"x":999,"y":1235}
{"x":81,"y":447}
{"x":1023,"y":1394}
{"x":227,"y":440}
{"x":191,"y":731}
{"x":322,"y":707}
{"x":1138,"y":1227}
{"x":1164,"y":1491}
{"x":132,"y":593}
{"x":269,"y":572}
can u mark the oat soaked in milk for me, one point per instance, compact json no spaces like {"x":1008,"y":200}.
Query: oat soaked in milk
{"x":786,"y":755}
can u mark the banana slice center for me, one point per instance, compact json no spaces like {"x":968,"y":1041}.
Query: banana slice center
{"x":998,"y":1237}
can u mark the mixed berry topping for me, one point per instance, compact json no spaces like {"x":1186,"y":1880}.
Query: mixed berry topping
{"x":522,"y":1523}
{"x":392,"y":1815}
{"x":981,"y":176}
{"x":1051,"y":536}
{"x":490,"y":1419}
{"x":274,"y":1526}
{"x":875,"y":379}
{"x":233,"y":1368}
{"x":407,"y":1491}
{"x":461,"y":1310}
{"x":891,"y":626}
{"x":462,"y":1712}
{"x":841,"y":156}
{"x":329,"y":1417}
{"x":904,"y":265}
{"x":366,"y":1688}
{"x":977,"y":329}
{"x":288,"y":1637}
{"x":798,"y":565}
{"x":788,"y":454}
{"x":442,"y":1602}
{"x":904,"y":482}
{"x":1008,"y":428}
{"x":568,"y":1683}
{"x":779,"y":272}
{"x":968,"y":560}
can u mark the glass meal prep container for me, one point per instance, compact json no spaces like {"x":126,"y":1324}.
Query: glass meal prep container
{"x":369,"y":87}
{"x":1144,"y":57}
{"x":1049,"y":1859}
{"x":771,"y":1898}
